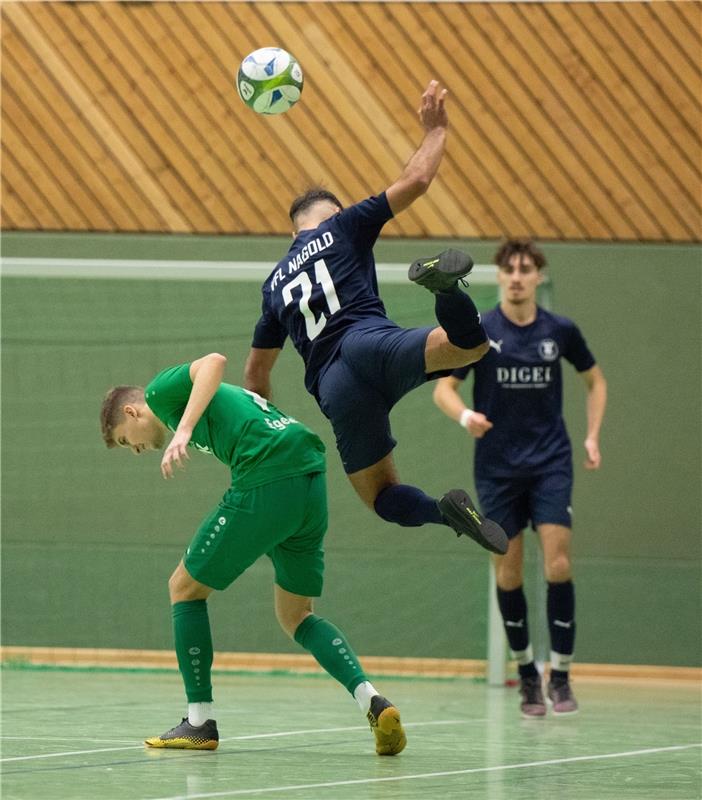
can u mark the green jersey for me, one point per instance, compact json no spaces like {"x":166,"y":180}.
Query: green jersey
{"x":241,"y":429}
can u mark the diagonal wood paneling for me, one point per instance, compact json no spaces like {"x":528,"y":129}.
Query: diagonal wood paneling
{"x":568,"y":120}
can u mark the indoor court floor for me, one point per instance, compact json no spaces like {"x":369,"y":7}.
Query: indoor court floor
{"x":76,"y":735}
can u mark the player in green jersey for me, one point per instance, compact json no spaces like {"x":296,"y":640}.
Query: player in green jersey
{"x":277,"y":506}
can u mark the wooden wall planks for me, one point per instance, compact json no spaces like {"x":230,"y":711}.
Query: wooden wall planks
{"x":569,"y":120}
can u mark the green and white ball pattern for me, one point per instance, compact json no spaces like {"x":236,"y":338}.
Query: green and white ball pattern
{"x":269,"y":80}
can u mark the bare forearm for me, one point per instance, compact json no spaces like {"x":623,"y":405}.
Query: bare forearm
{"x":424,"y":164}
{"x":596,"y":405}
{"x":206,"y":374}
{"x":418,"y":172}
{"x":257,"y":370}
{"x":449,"y":401}
{"x":259,"y":384}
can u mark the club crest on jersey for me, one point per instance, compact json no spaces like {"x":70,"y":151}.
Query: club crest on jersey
{"x":548,"y":350}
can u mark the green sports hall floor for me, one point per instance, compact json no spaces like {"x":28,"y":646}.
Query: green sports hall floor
{"x":76,"y":735}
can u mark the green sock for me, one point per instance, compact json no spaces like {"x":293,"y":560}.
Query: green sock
{"x":193,"y":646}
{"x":329,"y":646}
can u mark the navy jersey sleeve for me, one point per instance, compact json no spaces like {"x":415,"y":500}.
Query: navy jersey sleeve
{"x":268,"y":333}
{"x":577,"y":351}
{"x":364,"y":221}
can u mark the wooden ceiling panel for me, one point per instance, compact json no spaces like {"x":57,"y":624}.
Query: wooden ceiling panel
{"x":569,"y":121}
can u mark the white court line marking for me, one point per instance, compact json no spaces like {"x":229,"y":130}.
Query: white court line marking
{"x":422,"y":775}
{"x":175,"y":269}
{"x":66,"y":739}
{"x":238,"y":738}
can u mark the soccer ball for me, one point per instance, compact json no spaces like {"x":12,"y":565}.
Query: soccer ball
{"x":269,"y":80}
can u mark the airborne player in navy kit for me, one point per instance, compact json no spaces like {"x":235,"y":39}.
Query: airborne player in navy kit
{"x":523,"y":459}
{"x":358,"y":363}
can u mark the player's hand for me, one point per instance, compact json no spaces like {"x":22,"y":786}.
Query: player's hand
{"x":478,"y":425}
{"x":432,"y":112}
{"x":592,"y":454}
{"x":176,"y":453}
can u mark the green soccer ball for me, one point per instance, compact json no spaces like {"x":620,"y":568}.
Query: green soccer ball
{"x":269,"y":80}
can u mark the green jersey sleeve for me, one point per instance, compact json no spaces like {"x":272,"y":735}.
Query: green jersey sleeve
{"x":168,"y":394}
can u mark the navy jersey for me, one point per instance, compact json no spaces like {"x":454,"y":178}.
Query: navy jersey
{"x":325,"y":286}
{"x":518,"y":386}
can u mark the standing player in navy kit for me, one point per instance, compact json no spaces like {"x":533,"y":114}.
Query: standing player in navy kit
{"x":523,"y":459}
{"x":324,"y":296}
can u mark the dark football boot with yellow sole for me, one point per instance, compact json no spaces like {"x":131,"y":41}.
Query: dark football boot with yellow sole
{"x":441,"y":273}
{"x":459,"y":513}
{"x":188,"y":737}
{"x":385,"y":723}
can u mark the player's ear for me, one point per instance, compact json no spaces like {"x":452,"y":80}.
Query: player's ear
{"x":130,"y":410}
{"x":540,"y":276}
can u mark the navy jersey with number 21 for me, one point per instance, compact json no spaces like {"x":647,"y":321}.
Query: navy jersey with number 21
{"x":325,"y":286}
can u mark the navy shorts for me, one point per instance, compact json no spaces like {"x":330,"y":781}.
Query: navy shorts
{"x":374,"y":369}
{"x":515,"y":502}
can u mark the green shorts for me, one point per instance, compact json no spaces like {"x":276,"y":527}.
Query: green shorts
{"x":285,"y":520}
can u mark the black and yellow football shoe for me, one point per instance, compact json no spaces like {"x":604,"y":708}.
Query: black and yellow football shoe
{"x":385,"y":723}
{"x":441,"y":273}
{"x":187,"y":737}
{"x":460,"y":513}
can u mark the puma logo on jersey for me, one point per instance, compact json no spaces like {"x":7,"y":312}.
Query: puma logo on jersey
{"x":496,"y":345}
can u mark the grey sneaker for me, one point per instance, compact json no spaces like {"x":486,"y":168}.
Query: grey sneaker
{"x":533,"y":703}
{"x":187,"y":737}
{"x":441,"y":273}
{"x":561,"y":696}
{"x":385,"y":723}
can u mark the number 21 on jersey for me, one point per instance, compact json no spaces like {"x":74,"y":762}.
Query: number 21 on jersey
{"x":313,"y":325}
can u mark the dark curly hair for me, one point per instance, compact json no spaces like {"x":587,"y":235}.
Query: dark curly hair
{"x":309,"y":198}
{"x":521,"y":247}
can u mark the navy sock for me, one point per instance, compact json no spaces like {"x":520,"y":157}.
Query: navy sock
{"x":407,"y":506}
{"x":459,"y":317}
{"x":560,"y":609}
{"x":528,"y":670}
{"x":513,"y":607}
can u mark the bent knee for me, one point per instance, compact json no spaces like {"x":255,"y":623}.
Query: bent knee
{"x":476,"y":353}
{"x":183,"y":587}
{"x":290,"y":621}
{"x":558,"y":569}
{"x":470,"y":355}
{"x":442,"y":354}
{"x":508,"y":576}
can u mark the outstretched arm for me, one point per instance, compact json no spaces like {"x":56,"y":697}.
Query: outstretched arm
{"x":423,"y":165}
{"x":596,"y":404}
{"x":258,"y":368}
{"x":206,"y":374}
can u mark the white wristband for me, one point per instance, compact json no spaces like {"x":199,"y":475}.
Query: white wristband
{"x":465,"y":417}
